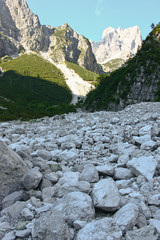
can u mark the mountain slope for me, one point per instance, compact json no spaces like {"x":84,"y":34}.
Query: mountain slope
{"x":31,"y":87}
{"x":138,"y":81}
{"x":18,"y":23}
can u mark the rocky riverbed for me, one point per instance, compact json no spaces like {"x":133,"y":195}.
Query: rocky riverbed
{"x":90,"y":176}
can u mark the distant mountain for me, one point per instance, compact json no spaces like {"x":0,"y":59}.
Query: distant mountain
{"x":21,"y":29}
{"x":117,"y":44}
{"x":137,"y":81}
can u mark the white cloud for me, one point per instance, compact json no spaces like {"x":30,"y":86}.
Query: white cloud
{"x":99,"y":7}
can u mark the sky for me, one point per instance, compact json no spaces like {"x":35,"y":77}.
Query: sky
{"x":91,"y":17}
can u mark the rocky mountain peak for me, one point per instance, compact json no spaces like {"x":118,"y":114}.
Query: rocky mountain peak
{"x":22,"y":28}
{"x":117,"y":43}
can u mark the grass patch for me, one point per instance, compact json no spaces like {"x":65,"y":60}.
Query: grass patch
{"x":113,"y":64}
{"x":35,"y":88}
{"x":83,"y":73}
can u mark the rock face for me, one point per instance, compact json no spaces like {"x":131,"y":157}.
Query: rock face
{"x":87,"y":178}
{"x":137,"y":81}
{"x":24,"y":31}
{"x":117,"y":44}
{"x":67,"y":45}
{"x":12,"y":168}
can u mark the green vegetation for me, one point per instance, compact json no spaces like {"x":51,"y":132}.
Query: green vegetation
{"x":113,"y":64}
{"x":31,"y":88}
{"x":114,"y":89}
{"x":83,"y":73}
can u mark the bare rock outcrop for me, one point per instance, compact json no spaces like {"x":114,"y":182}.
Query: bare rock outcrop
{"x":119,"y":44}
{"x":19,"y":23}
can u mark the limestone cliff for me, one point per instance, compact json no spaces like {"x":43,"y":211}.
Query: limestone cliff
{"x":67,"y":45}
{"x":17,"y":22}
{"x":117,"y":44}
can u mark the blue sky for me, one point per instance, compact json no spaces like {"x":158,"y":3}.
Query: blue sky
{"x":91,"y":17}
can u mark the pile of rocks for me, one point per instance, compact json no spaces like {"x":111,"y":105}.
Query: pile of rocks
{"x":90,"y":176}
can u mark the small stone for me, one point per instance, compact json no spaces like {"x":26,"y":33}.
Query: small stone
{"x":154,"y":200}
{"x":79,"y":224}
{"x":12,"y":198}
{"x":31,"y":179}
{"x":52,"y":177}
{"x":123,"y":173}
{"x":89,"y":173}
{"x":27,"y":214}
{"x":106,"y":170}
{"x":23,"y":233}
{"x":155,"y":223}
{"x":9,"y":236}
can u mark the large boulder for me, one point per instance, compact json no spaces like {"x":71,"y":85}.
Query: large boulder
{"x":145,"y":233}
{"x":49,"y":226}
{"x":105,"y":195}
{"x":143,"y":165}
{"x":127,"y":216}
{"x":104,"y":228}
{"x":75,"y":206}
{"x":12,"y":169}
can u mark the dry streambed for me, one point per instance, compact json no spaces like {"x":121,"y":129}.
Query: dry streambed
{"x":90,"y":176}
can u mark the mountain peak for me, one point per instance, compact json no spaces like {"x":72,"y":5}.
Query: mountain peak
{"x":117,"y":43}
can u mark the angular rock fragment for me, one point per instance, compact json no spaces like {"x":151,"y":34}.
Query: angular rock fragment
{"x":31,"y":179}
{"x":75,"y":206}
{"x":145,"y":233}
{"x":127,"y":216}
{"x":50,"y":225}
{"x":105,"y":195}
{"x":143,"y":165}
{"x":104,"y":228}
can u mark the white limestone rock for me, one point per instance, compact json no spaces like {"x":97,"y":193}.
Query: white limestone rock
{"x":142,"y":139}
{"x":126,"y":217}
{"x":106,"y":170}
{"x":89,"y":174}
{"x":79,"y":186}
{"x":105,"y":195}
{"x":9,"y":236}
{"x":12,"y":169}
{"x":75,"y":206}
{"x":79,"y":224}
{"x":154,"y":199}
{"x":23,"y":233}
{"x":104,"y":228}
{"x":117,"y":43}
{"x":145,"y":233}
{"x":149,"y":145}
{"x":155,"y":223}
{"x":122,"y":173}
{"x":27,"y":214}
{"x":145,"y":130}
{"x":12,"y":198}
{"x":143,"y":165}
{"x":31,"y":179}
{"x":50,"y":225}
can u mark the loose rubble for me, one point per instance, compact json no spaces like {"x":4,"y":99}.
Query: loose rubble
{"x":82,"y":175}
